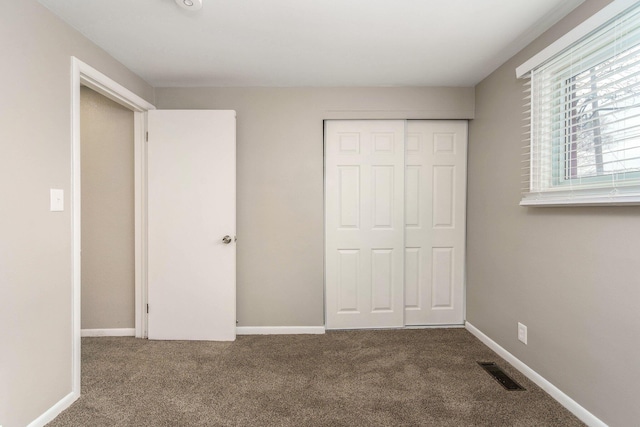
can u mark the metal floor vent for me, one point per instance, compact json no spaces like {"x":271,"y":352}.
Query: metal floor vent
{"x":499,"y":375}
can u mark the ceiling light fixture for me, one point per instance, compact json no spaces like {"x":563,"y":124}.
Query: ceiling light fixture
{"x":190,"y":4}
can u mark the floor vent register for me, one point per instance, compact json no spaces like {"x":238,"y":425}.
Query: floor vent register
{"x":499,"y":375}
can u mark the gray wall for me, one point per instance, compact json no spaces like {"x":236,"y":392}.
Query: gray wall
{"x":570,"y":274}
{"x":35,"y":244}
{"x":280,"y":182}
{"x":108,"y":259}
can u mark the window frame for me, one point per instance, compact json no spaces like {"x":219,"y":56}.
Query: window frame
{"x":546,"y":182}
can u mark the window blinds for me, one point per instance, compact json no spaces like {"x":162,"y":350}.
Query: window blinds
{"x":583,"y":120}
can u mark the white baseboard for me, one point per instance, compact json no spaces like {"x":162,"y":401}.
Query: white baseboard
{"x":115,"y":332}
{"x":573,"y":406}
{"x":54,"y":411}
{"x":279,"y":330}
{"x":434,"y":327}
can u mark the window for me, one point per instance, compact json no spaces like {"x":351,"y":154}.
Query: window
{"x":584,"y":120}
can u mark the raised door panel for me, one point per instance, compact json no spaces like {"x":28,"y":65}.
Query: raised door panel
{"x":383,"y":197}
{"x":412,"y":279}
{"x":412,"y":196}
{"x":382,"y":280}
{"x":442,"y":278}
{"x":443,"y":196}
{"x":349,"y":197}
{"x":348,"y":280}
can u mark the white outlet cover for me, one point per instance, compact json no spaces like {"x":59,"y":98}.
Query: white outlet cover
{"x":522,"y":333}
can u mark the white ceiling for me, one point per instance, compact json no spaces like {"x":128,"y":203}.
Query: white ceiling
{"x":312,"y":42}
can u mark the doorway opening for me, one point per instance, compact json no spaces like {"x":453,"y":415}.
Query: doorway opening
{"x":108,"y":259}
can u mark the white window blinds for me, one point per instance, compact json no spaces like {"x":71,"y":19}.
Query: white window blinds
{"x":583,"y":124}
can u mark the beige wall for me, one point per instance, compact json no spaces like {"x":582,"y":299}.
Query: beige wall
{"x":108,"y":265}
{"x":35,"y":244}
{"x":570,"y":274}
{"x":280,"y":182}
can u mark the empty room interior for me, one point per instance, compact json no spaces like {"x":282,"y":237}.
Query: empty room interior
{"x":293,"y":213}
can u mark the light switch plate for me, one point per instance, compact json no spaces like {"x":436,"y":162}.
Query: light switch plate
{"x":57,"y":200}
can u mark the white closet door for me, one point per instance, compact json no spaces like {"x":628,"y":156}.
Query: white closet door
{"x":364,"y":194}
{"x":435,"y":222}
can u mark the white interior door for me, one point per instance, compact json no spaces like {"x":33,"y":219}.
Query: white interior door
{"x":436,"y":177}
{"x":364,"y":221}
{"x":191,"y":208}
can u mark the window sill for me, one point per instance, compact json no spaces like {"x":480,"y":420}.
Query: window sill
{"x":586,"y":198}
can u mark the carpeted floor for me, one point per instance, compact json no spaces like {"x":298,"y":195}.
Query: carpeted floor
{"x":425,"y":377}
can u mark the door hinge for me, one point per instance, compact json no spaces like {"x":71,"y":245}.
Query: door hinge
{"x":147,"y":308}
{"x":146,"y":136}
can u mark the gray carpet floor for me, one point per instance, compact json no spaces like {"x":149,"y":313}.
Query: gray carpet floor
{"x":427,"y":377}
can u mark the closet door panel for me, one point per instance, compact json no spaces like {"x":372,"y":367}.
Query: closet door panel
{"x":364,"y":223}
{"x":435,"y":226}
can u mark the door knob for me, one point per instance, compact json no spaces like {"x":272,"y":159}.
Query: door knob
{"x":226,"y":240}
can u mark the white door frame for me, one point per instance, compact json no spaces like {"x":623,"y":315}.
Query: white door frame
{"x":83,"y":74}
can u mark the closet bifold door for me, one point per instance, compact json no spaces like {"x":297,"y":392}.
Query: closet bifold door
{"x":364,"y":223}
{"x":435,"y":215}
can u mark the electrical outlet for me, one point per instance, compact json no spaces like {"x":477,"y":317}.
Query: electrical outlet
{"x":522,"y":333}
